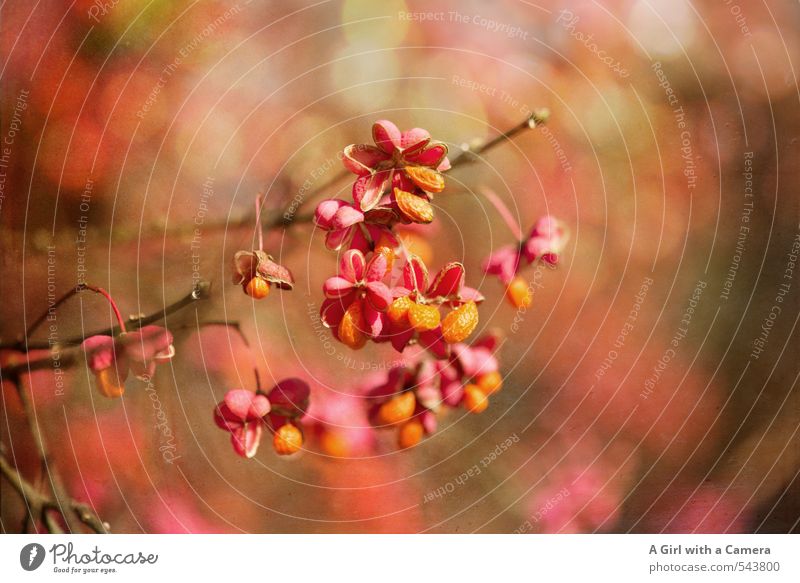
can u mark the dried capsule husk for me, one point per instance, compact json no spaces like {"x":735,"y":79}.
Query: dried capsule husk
{"x":249,"y":264}
{"x":423,"y":317}
{"x":460,"y":323}
{"x":425,"y":178}
{"x":412,"y":207}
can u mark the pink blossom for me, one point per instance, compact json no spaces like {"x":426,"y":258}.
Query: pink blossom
{"x":545,"y":242}
{"x":503,"y":263}
{"x":436,"y":383}
{"x":347,"y":225}
{"x":289,"y":399}
{"x":112,"y":359}
{"x":242,"y":413}
{"x":580,"y":502}
{"x":358,"y":280}
{"x":447,"y":287}
{"x":393,"y":150}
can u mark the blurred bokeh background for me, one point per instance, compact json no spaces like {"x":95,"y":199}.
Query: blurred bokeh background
{"x":651,"y":386}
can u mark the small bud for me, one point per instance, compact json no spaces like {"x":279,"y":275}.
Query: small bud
{"x":410,"y":433}
{"x":519,"y":293}
{"x":287,"y":439}
{"x":475,"y":401}
{"x":490,"y":382}
{"x":397,"y":409}
{"x":257,"y":288}
{"x":460,"y":323}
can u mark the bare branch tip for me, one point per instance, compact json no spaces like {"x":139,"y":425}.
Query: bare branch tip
{"x":539,"y":117}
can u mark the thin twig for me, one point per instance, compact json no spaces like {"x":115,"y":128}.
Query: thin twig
{"x":289,"y":214}
{"x":200,"y":292}
{"x":40,"y":506}
{"x":61,"y":497}
{"x":470,"y":154}
{"x":503,"y":211}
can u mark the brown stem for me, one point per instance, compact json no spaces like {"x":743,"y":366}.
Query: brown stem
{"x":75,"y":290}
{"x":61,"y":498}
{"x":286,"y":215}
{"x":291,"y":216}
{"x":40,"y":506}
{"x":200,"y":292}
{"x":470,"y":154}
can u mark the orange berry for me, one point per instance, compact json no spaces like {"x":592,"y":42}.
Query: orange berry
{"x":287,"y":440}
{"x":490,"y":382}
{"x":257,"y":288}
{"x":460,"y":323}
{"x":415,"y":208}
{"x":109,"y":384}
{"x":426,"y":178}
{"x":475,"y":401}
{"x":398,"y":310}
{"x":351,"y":328}
{"x":519,"y":293}
{"x":397,"y":409}
{"x":423,"y":318}
{"x":410,"y":433}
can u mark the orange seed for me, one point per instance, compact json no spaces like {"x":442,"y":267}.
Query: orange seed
{"x":490,"y":382}
{"x":287,"y":439}
{"x":410,"y":433}
{"x":351,"y":328}
{"x":519,"y":293}
{"x":415,"y":208}
{"x":398,"y":310}
{"x":426,"y":178}
{"x":423,"y":318}
{"x":397,"y":409}
{"x":257,"y":288}
{"x":460,"y":323}
{"x":334,"y":443}
{"x":475,"y":401}
{"x":109,"y":384}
